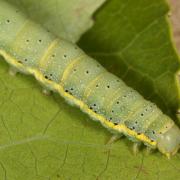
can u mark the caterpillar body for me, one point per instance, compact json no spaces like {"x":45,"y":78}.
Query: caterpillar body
{"x":62,"y":67}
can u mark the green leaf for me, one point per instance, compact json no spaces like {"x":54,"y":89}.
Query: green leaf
{"x":67,"y":19}
{"x":44,"y":138}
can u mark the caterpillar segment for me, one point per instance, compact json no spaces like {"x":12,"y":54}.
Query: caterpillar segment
{"x":62,"y":67}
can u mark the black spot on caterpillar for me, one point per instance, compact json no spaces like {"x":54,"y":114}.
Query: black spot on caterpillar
{"x":63,"y":67}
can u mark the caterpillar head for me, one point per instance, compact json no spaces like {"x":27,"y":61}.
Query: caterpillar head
{"x":169,"y":142}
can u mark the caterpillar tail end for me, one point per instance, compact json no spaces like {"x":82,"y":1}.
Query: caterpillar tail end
{"x":169,"y":142}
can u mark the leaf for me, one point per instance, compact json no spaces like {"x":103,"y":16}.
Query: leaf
{"x":175,"y":16}
{"x":67,"y":19}
{"x":42,"y":137}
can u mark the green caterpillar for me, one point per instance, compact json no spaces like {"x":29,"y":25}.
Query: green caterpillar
{"x":62,"y":67}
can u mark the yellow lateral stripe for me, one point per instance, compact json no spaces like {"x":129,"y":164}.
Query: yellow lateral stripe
{"x":69,"y":68}
{"x":87,"y":92}
{"x":59,"y":88}
{"x":47,"y":52}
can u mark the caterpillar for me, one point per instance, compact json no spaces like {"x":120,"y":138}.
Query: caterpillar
{"x":63,"y":67}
